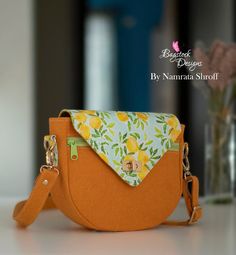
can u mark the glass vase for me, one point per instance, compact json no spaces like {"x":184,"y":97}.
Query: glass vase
{"x":219,"y":160}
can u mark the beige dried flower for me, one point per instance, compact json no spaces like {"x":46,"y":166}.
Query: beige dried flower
{"x":221,"y":59}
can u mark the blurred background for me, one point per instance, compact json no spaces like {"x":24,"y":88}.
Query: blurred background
{"x":96,"y":54}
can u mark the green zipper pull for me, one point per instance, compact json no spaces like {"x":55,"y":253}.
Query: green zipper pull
{"x":74,"y":143}
{"x":73,"y":148}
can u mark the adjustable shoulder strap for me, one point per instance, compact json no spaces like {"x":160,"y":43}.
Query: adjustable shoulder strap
{"x":190,"y":194}
{"x":191,"y":201}
{"x":26,"y":212}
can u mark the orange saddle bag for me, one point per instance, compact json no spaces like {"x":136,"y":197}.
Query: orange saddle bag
{"x":114,"y":171}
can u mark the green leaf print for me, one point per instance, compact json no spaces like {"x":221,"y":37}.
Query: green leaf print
{"x":111,"y":125}
{"x":124,"y":136}
{"x":158,"y":133}
{"x":157,"y":130}
{"x":108,"y":138}
{"x":102,"y":115}
{"x":114,"y":145}
{"x":129,"y":125}
{"x":170,"y":131}
{"x":125,"y":150}
{"x":155,"y":151}
{"x":121,"y":152}
{"x":103,"y":132}
{"x":95,"y":145}
{"x":107,"y":115}
{"x":156,"y":157}
{"x":142,"y":125}
{"x":133,"y":135}
{"x":145,"y":136}
{"x":151,"y":150}
{"x":149,"y":142}
{"x":164,"y":128}
{"x":131,"y":153}
{"x":140,"y":146}
{"x":152,"y":162}
{"x":103,"y":150}
{"x":111,"y":131}
{"x":130,"y":117}
{"x":116,"y":162}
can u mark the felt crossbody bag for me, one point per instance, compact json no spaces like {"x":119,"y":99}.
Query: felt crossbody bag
{"x":114,"y":171}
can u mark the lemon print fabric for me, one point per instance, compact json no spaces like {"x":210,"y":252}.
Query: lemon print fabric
{"x":122,"y":116}
{"x":84,"y":130}
{"x":132,"y":144}
{"x":95,"y":122}
{"x":133,"y":136}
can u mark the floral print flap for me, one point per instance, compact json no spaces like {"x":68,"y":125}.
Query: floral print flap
{"x":131,"y":143}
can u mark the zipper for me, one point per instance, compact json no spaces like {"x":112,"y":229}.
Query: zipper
{"x":74,"y":143}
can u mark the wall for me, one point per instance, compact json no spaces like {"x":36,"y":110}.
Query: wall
{"x":16,"y":93}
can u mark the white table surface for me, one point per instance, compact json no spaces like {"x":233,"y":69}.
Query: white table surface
{"x":53,"y":233}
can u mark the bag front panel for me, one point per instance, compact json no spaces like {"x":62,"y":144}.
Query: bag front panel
{"x":91,"y":193}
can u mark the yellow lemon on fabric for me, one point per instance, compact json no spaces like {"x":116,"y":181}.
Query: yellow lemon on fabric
{"x":143,"y":157}
{"x":142,"y":116}
{"x":95,"y":122}
{"x":174,"y":134}
{"x":104,"y":157}
{"x":173,"y":122}
{"x":128,"y":158}
{"x":122,"y":116}
{"x":132,"y":144}
{"x":144,"y":171}
{"x":80,"y":117}
{"x":89,"y":112}
{"x":84,"y":131}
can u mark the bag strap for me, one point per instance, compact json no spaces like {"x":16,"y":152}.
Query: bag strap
{"x":191,"y":201}
{"x":26,"y":212}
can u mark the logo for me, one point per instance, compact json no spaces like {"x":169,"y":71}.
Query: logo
{"x":182,"y":59}
{"x":175,"y":46}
